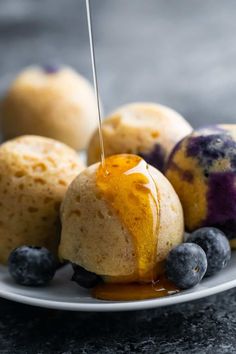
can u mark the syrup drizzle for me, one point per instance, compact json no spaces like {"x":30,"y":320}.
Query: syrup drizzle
{"x":130,"y":190}
{"x":95,"y":81}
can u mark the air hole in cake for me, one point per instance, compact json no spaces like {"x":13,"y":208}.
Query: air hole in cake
{"x":98,"y":196}
{"x":32,"y":209}
{"x":40,"y":167}
{"x":47,"y":200}
{"x":21,"y":186}
{"x":100,"y":215}
{"x":51,"y":161}
{"x":115,"y":122}
{"x":154,"y":135}
{"x":57,"y":206}
{"x":39,"y":180}
{"x":75,"y":212}
{"x":62,"y":182}
{"x":19,"y":174}
{"x":78,"y":198}
{"x":74,"y":165}
{"x":20,"y":197}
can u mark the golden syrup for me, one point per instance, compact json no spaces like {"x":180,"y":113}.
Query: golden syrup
{"x":127,"y":187}
{"x":129,"y":190}
{"x":95,"y":81}
{"x":134,"y":291}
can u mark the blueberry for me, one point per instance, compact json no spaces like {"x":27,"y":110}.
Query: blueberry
{"x":156,"y":157}
{"x":51,"y":68}
{"x":32,"y":266}
{"x":85,"y":278}
{"x":186,"y":265}
{"x":216,"y":246}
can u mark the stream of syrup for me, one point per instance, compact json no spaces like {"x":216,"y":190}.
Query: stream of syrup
{"x":95,"y":81}
{"x":128,"y":188}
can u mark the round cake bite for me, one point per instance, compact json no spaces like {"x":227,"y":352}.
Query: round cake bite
{"x":145,"y":129}
{"x":120,"y":220}
{"x":202,"y":169}
{"x":34,"y":175}
{"x":50,"y":101}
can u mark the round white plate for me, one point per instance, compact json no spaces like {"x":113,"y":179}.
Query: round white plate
{"x":63,"y":294}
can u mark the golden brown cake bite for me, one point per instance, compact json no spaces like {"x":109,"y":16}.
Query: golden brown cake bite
{"x":53,"y":102}
{"x":34,"y":175}
{"x":145,"y":129}
{"x":120,"y":220}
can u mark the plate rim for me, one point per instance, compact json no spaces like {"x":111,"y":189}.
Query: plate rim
{"x":115,"y":306}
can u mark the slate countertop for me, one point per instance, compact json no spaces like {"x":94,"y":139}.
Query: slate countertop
{"x":180,"y":53}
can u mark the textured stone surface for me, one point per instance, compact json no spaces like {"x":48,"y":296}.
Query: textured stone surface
{"x":180,"y":53}
{"x":206,"y":326}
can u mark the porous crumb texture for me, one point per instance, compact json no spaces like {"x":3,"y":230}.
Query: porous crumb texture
{"x":139,"y":128}
{"x":34,"y":175}
{"x":94,"y":236}
{"x":58,"y":105}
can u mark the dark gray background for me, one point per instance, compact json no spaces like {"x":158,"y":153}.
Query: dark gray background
{"x":177,"y":52}
{"x":181,"y":53}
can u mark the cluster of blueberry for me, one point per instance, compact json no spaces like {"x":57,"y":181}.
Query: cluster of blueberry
{"x":206,"y":252}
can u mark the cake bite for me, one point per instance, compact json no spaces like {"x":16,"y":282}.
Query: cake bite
{"x":50,"y":101}
{"x":34,"y":175}
{"x":202,"y":169}
{"x":145,"y":129}
{"x":119,"y":222}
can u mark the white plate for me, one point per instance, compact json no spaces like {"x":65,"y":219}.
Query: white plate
{"x":63,"y":294}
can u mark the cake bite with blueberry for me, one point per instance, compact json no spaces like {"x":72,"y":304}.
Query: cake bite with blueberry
{"x":202,"y":169}
{"x":50,"y":101}
{"x":119,"y":222}
{"x":34,"y":175}
{"x":145,"y":129}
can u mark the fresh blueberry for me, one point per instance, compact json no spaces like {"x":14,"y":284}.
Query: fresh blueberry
{"x":216,"y":246}
{"x":51,"y":68}
{"x":32,"y":266}
{"x":186,"y":265}
{"x":85,"y":278}
{"x":156,"y":157}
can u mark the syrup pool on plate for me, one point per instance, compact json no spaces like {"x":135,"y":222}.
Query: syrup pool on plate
{"x":134,"y":291}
